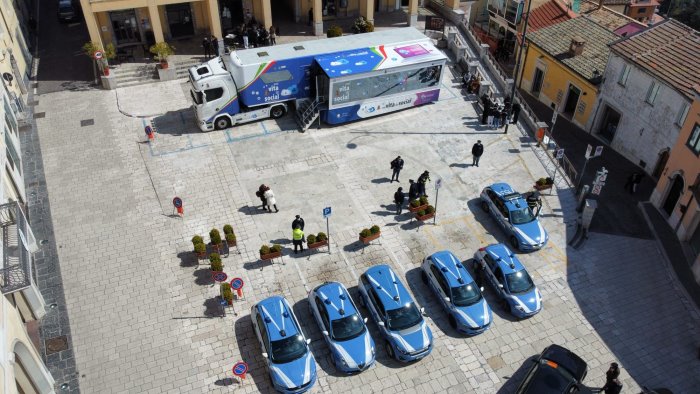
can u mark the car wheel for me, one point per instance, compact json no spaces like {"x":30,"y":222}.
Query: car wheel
{"x":504,"y":305}
{"x":514,"y":243}
{"x":485,"y":206}
{"x":424,"y":276}
{"x":390,"y":350}
{"x":453,"y":322}
{"x":222,"y":123}
{"x":277,"y":112}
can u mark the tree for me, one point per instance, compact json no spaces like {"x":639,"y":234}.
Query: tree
{"x":684,"y":11}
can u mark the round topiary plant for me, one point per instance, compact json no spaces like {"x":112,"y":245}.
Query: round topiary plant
{"x":264,"y":250}
{"x":214,"y":257}
{"x":276,"y":248}
{"x":231,"y":238}
{"x":217,"y":266}
{"x":197,"y":240}
{"x":228,"y":229}
{"x":215,"y":237}
{"x":374,"y":229}
{"x":334,"y":31}
{"x":200,"y":248}
{"x":415,"y":203}
{"x":421,"y":212}
{"x":226,"y":292}
{"x":365,"y":233}
{"x":322,"y":237}
{"x":423,"y":200}
{"x":429,"y":209}
{"x":311,"y":239}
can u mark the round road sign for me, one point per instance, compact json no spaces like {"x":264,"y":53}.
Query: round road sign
{"x":148,"y":130}
{"x":177,"y":202}
{"x":240,"y":368}
{"x":97,"y":55}
{"x":219,"y":276}
{"x":237,"y":283}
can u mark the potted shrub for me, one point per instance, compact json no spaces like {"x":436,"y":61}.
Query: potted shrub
{"x":200,"y":249}
{"x":544,"y":183}
{"x":215,"y":237}
{"x":362,"y":25}
{"x":226,"y":292}
{"x":418,"y":204}
{"x":425,"y":214}
{"x":229,"y":235}
{"x":269,"y":253}
{"x":162,"y":51}
{"x":370,"y":234}
{"x":334,"y":31}
{"x":215,"y":261}
{"x":311,"y":239}
{"x":316,"y":241}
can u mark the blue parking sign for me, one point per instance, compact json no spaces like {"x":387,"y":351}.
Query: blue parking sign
{"x":326,"y":212}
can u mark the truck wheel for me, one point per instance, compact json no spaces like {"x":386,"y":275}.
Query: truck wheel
{"x":277,"y":112}
{"x":222,"y":123}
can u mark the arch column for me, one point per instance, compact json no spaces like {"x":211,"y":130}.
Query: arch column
{"x":412,"y":16}
{"x":154,"y":16}
{"x":91,"y":22}
{"x":367,"y":9}
{"x":452,"y":4}
{"x":266,"y":10}
{"x":318,"y":17}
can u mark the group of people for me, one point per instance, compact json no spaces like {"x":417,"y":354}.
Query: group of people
{"x":472,"y":83}
{"x":267,"y":197}
{"x":211,"y":46}
{"x":415,"y":189}
{"x":254,"y":35}
{"x":495,"y":114}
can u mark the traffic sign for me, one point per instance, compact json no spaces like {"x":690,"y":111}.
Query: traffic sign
{"x":598,"y":151}
{"x":326,"y":212}
{"x":588,"y":151}
{"x":177,"y":202}
{"x":97,"y":55}
{"x":219,"y":276}
{"x":596,"y":189}
{"x":560,"y":153}
{"x":240,"y":369}
{"x":237,"y":283}
{"x":438,"y":183}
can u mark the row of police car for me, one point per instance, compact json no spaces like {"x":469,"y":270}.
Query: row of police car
{"x":406,"y":335}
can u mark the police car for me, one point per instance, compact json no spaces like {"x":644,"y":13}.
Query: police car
{"x":401,"y":323}
{"x":342,"y":326}
{"x":510,"y":210}
{"x":286,"y":350}
{"x":509,"y":279}
{"x":458,"y":293}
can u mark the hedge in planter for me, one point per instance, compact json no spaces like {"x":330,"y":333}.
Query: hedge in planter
{"x":216,"y":264}
{"x":215,"y":237}
{"x":226,"y":293}
{"x":229,"y":235}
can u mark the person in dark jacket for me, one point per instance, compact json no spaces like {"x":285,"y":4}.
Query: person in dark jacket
{"x":207,"y":47}
{"x":261,"y":195}
{"x":396,"y":166}
{"x":298,"y":222}
{"x":486,"y":104}
{"x":214,"y":46}
{"x":477,"y":151}
{"x":422,"y":180}
{"x":515,"y":112}
{"x":399,"y":197}
{"x":413,"y":190}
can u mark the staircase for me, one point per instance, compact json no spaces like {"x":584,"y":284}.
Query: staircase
{"x":183,"y":65}
{"x":132,"y":74}
{"x":307,"y":111}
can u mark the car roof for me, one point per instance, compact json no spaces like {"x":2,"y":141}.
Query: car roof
{"x":277,"y":316}
{"x":388,"y":287}
{"x":505,"y":259}
{"x":511,"y":199}
{"x":336,"y":299}
{"x":454,"y":271}
{"x":567,"y":359}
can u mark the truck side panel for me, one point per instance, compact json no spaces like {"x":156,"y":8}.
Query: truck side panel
{"x":277,"y":81}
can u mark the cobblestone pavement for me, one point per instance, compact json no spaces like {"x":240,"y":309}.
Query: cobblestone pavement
{"x":143,"y":313}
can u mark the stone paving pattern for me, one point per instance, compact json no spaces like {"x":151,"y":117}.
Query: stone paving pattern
{"x":143,"y":313}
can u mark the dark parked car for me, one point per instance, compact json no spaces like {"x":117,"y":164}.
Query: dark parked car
{"x":557,"y":370}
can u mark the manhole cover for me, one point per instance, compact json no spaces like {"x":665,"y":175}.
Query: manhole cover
{"x":87,"y":122}
{"x":55,"y":345}
{"x":39,"y":115}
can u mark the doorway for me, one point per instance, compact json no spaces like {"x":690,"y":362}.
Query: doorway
{"x":537,"y":82}
{"x":571,"y":101}
{"x":608,"y":126}
{"x":180,"y":20}
{"x":660,"y":163}
{"x":674,"y":193}
{"x":231,"y":13}
{"x":125,"y":27}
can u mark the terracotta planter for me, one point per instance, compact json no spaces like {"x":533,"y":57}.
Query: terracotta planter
{"x":202,"y":255}
{"x":425,"y":217}
{"x":317,"y":244}
{"x":369,"y":239}
{"x":418,"y":208}
{"x":270,"y":256}
{"x":217,"y":247}
{"x":542,"y":187}
{"x":106,"y":71}
{"x":164,"y":65}
{"x":231,"y":244}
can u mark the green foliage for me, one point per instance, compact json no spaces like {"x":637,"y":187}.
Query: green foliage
{"x":361,"y":25}
{"x":423,"y":200}
{"x":214,"y":257}
{"x":276,"y":248}
{"x":110,"y":52}
{"x":226,"y":292}
{"x":217,"y":266}
{"x":541,"y":181}
{"x":228,"y":229}
{"x":197,"y":240}
{"x":334,"y":31}
{"x":365,"y":233}
{"x":322,"y":237}
{"x":430,"y":209}
{"x":162,"y":50}
{"x":548,"y":181}
{"x":311,"y":239}
{"x":264,"y":250}
{"x":231,"y":238}
{"x":685,"y":11}
{"x":200,"y":248}
{"x":421,"y":212}
{"x":89,"y":48}
{"x":215,"y":237}
{"x":374,"y":229}
{"x":415,"y":203}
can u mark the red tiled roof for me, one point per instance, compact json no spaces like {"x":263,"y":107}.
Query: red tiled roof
{"x":548,"y":14}
{"x":670,"y":51}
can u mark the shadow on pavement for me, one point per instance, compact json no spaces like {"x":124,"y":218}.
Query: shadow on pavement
{"x":251,"y":353}
{"x":514,"y":380}
{"x":433,"y":308}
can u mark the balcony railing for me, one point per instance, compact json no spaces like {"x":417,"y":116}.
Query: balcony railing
{"x":18,"y":244}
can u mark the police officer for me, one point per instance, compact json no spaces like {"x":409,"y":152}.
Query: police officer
{"x":534,"y":201}
{"x":422,"y":180}
{"x":298,"y":239}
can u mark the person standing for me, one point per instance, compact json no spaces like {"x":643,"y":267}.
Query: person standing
{"x":413,"y":190}
{"x":214,"y":46}
{"x":396,"y":166}
{"x":503,"y":115}
{"x":271,"y":201}
{"x":612,"y":384}
{"x":477,"y":151}
{"x":273,"y":35}
{"x":486,"y":104}
{"x":246,"y":38}
{"x":422,"y":180}
{"x":515,"y":112}
{"x":298,"y":239}
{"x":207,"y":47}
{"x":298,"y":222}
{"x":399,"y":196}
{"x":261,"y":195}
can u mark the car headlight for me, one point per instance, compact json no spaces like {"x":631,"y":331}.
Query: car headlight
{"x":402,"y":351}
{"x":520,"y":308}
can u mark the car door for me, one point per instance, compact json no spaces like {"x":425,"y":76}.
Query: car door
{"x":490,"y":272}
{"x":321,"y":316}
{"x":501,"y":282}
{"x":440,"y":285}
{"x":377,"y":310}
{"x":492,"y":201}
{"x":261,"y":333}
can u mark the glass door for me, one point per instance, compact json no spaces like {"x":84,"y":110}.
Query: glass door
{"x":125,"y":27}
{"x":180,"y":20}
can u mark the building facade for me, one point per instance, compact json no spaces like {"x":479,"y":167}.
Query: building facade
{"x":647,"y":93}
{"x":677,"y":193}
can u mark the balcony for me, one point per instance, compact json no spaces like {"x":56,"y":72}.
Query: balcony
{"x":18,"y":244}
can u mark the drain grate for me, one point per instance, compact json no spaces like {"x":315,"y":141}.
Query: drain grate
{"x":57,"y":344}
{"x":39,"y":115}
{"x":87,"y":122}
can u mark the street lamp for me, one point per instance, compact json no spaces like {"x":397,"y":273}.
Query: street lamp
{"x":517,"y":66}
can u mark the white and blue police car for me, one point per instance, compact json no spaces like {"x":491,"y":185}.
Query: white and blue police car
{"x":401,"y":323}
{"x":509,"y":279}
{"x":461,"y":297}
{"x":285,"y":348}
{"x":510,"y":210}
{"x":343,"y":327}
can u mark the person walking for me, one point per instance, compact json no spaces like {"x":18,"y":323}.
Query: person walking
{"x":422,"y":180}
{"x":207,"y":47}
{"x":477,"y":151}
{"x":612,"y":383}
{"x":396,"y":166}
{"x":298,"y":222}
{"x":271,"y":201}
{"x":298,"y":239}
{"x":246,"y":38}
{"x":273,"y":35}
{"x":413,"y":190}
{"x":515,"y":112}
{"x":261,"y":195}
{"x":399,"y":197}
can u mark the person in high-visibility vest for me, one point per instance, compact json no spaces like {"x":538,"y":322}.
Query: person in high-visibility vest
{"x":298,"y":239}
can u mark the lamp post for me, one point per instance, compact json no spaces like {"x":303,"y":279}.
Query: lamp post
{"x":517,"y":67}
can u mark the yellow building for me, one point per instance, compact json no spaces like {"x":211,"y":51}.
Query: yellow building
{"x":677,"y":193}
{"x":564,"y":65}
{"x":143,"y":22}
{"x":15,"y":56}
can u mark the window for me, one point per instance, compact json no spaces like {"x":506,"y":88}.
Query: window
{"x":641,"y":10}
{"x":9,"y":117}
{"x":12,"y":155}
{"x":694,"y":140}
{"x":213,"y":94}
{"x":652,"y":92}
{"x":263,"y":332}
{"x":322,"y":312}
{"x":624,"y":75}
{"x":682,"y":114}
{"x":440,"y":280}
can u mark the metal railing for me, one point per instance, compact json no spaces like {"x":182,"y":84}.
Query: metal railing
{"x":17,"y":244}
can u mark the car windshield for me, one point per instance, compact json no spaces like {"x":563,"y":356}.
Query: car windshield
{"x":519,"y":282}
{"x":466,"y":295}
{"x":521,"y":216}
{"x":403,"y":318}
{"x":348,"y":327}
{"x":288,"y":349}
{"x":197,"y":97}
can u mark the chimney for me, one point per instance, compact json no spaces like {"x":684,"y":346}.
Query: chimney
{"x":600,"y":4}
{"x":576,"y":47}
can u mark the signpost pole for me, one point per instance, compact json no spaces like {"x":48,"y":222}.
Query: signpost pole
{"x":438,"y":184}
{"x":328,"y":231}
